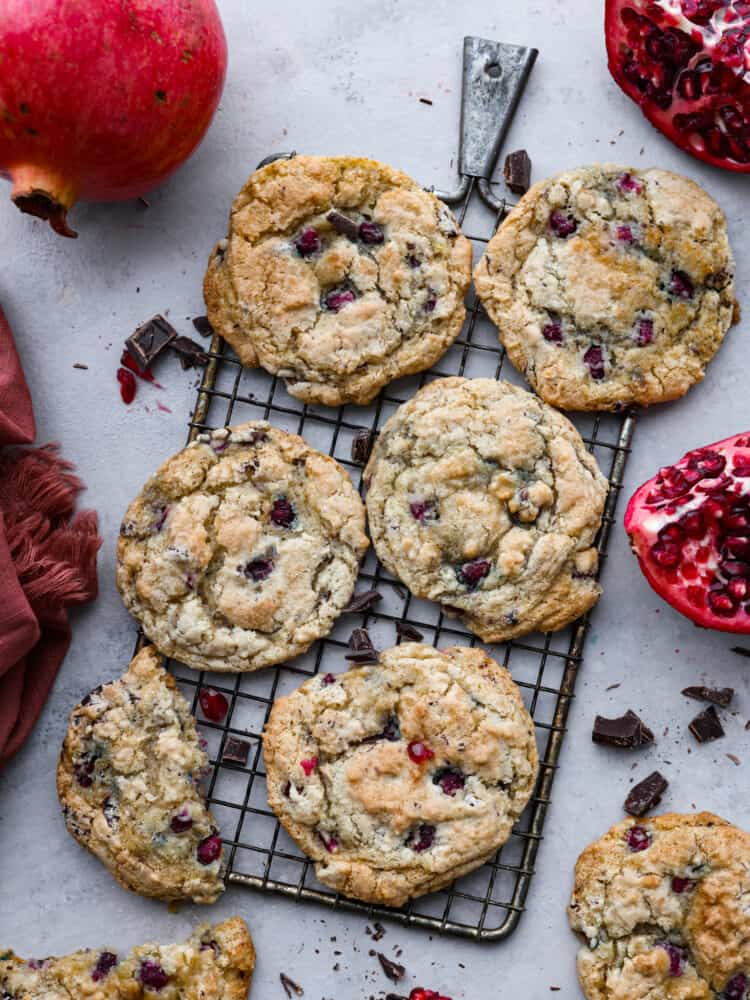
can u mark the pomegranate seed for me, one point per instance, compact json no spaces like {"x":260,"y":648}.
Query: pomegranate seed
{"x":736,"y":988}
{"x":734,"y":567}
{"x":329,"y":679}
{"x":337,"y":298}
{"x":209,"y":849}
{"x":419,"y":993}
{"x":450,"y":780}
{"x":693,"y":524}
{"x":645,"y":332}
{"x":638,"y":838}
{"x":472,"y":573}
{"x":127,"y":385}
{"x":708,"y":463}
{"x":282,"y":513}
{"x":552,"y":332}
{"x":676,"y":957}
{"x":308,"y":766}
{"x":627,"y":183}
{"x":680,"y":885}
{"x":425,"y":837}
{"x":421,"y":510}
{"x":672,"y":532}
{"x":181,"y":822}
{"x":680,"y":285}
{"x":213,"y":704}
{"x":104,"y":964}
{"x":562,"y":225}
{"x":308,"y":242}
{"x":152,"y":975}
{"x":330,"y":843}
{"x":594,"y":360}
{"x":739,"y":588}
{"x":722,"y":603}
{"x":666,"y":555}
{"x":258,"y":569}
{"x":419,"y":752}
{"x":371,"y":232}
{"x":625,"y":234}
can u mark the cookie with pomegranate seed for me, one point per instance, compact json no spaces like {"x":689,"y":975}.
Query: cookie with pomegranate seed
{"x":128,"y":779}
{"x":661,"y":905}
{"x":610,"y":286}
{"x":215,"y":963}
{"x":400,"y":776}
{"x":338,"y":274}
{"x":486,"y":500}
{"x":242,"y":549}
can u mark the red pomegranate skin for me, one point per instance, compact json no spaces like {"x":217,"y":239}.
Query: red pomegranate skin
{"x":103,"y":99}
{"x":689,"y":526}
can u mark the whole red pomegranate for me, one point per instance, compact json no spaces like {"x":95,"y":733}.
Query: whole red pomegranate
{"x":690,"y":528}
{"x":687,"y":64}
{"x":103,"y":99}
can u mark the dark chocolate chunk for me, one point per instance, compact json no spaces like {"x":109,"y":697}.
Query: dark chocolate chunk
{"x":361,"y":647}
{"x":362,"y":602}
{"x":517,"y":171}
{"x":646,"y":794}
{"x":344,"y":225}
{"x":235,"y":751}
{"x":290,"y":987}
{"x":741,"y":650}
{"x":149,"y":340}
{"x":719,"y":696}
{"x":393,"y":970}
{"x":189,"y":352}
{"x":203,"y":326}
{"x":362,"y":443}
{"x":378,"y":931}
{"x":627,"y":732}
{"x":706,"y":726}
{"x":406,"y":631}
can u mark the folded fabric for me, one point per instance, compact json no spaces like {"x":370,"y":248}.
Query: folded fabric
{"x":47,"y":557}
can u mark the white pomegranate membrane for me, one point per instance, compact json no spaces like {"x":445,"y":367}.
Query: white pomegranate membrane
{"x":690,"y":529}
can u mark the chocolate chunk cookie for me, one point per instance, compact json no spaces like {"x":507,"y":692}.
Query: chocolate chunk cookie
{"x":662,"y":905}
{"x":242,"y":549}
{"x":338,"y":274}
{"x":484,"y":499}
{"x":398,"y":777}
{"x":215,"y":963}
{"x":127,"y":782}
{"x":610,"y":286}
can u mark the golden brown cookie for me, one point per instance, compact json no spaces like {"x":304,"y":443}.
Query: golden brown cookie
{"x":399,"y":777}
{"x":610,"y":286}
{"x":338,"y":274}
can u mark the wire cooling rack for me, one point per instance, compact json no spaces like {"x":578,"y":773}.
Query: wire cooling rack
{"x":487,"y":904}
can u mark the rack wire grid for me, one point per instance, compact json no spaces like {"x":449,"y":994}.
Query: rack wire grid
{"x":487,"y":904}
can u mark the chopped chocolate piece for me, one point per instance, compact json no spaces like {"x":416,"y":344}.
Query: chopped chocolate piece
{"x":425,"y":100}
{"x":290,"y":987}
{"x":344,"y":225}
{"x":190,"y":352}
{"x":362,"y":602}
{"x":627,"y":732}
{"x":393,"y":970}
{"x":362,"y":649}
{"x":203,"y":327}
{"x":362,"y":443}
{"x":706,"y":726}
{"x":646,"y":794}
{"x":81,"y":365}
{"x":149,"y":340}
{"x":611,"y":688}
{"x":735,"y":760}
{"x":517,"y":171}
{"x":406,"y":631}
{"x":379,"y":931}
{"x":741,"y":650}
{"x":398,"y":589}
{"x":235,"y":751}
{"x":719,"y":696}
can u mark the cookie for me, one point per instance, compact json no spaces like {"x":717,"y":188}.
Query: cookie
{"x":610,"y":286}
{"x":398,"y":777}
{"x":338,"y":274}
{"x":662,"y":905}
{"x":484,"y":499}
{"x":242,"y":549}
{"x":127,"y":782}
{"x":215,"y":963}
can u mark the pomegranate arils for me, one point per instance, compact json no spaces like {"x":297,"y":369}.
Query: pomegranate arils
{"x":422,"y":510}
{"x":308,"y":766}
{"x":307,"y":242}
{"x":258,"y":569}
{"x":450,"y":780}
{"x":594,"y":360}
{"x":282,"y":513}
{"x":423,"y":838}
{"x":708,"y":463}
{"x":736,"y":988}
{"x":152,"y":975}
{"x":472,"y":573}
{"x":181,"y":822}
{"x":104,"y":964}
{"x":676,"y":957}
{"x":722,"y":603}
{"x":371,"y":233}
{"x":680,"y":285}
{"x":693,"y":524}
{"x":419,"y":753}
{"x":213,"y":704}
{"x":562,"y":224}
{"x":666,"y":555}
{"x":337,"y":298}
{"x":209,"y":849}
{"x":419,"y":993}
{"x":127,"y":385}
{"x":330,"y":842}
{"x":625,"y":234}
{"x":628,"y":184}
{"x":680,"y":885}
{"x":638,"y":838}
{"x":644,"y":332}
{"x":552,"y":332}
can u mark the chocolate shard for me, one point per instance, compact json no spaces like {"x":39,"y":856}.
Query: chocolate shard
{"x":235,"y":751}
{"x":344,"y":225}
{"x":517,"y":171}
{"x":203,"y":326}
{"x":189,"y":351}
{"x":706,"y":726}
{"x":362,"y":602}
{"x":646,"y":794}
{"x":393,"y":970}
{"x":718,"y":696}
{"x":741,"y":650}
{"x":361,"y":647}
{"x":362,"y":443}
{"x":290,"y":987}
{"x":406,"y":631}
{"x":627,"y":732}
{"x":146,"y":343}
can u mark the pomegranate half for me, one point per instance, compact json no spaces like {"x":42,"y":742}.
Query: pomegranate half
{"x":103,"y":99}
{"x":690,"y":528}
{"x":686,"y":63}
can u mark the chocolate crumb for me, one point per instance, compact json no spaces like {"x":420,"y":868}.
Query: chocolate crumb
{"x":741,"y":650}
{"x":235,"y":751}
{"x":425,"y":100}
{"x":517,"y":171}
{"x":146,"y":343}
{"x":646,"y":794}
{"x":735,"y":760}
{"x":406,"y":631}
{"x":290,"y":987}
{"x":610,"y":688}
{"x":362,"y":443}
{"x":719,"y":696}
{"x":190,"y":353}
{"x":361,"y":647}
{"x":706,"y":726}
{"x":143,"y":201}
{"x":379,"y":932}
{"x":398,"y":589}
{"x":392,"y":970}
{"x":363,"y":601}
{"x":203,"y":326}
{"x":627,"y":732}
{"x":80,"y":364}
